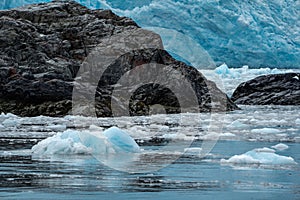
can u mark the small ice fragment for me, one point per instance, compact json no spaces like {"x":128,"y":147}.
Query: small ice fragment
{"x":296,"y":77}
{"x":227,"y":135}
{"x":224,"y":71}
{"x":57,"y":127}
{"x":280,"y":147}
{"x":237,"y":124}
{"x":10,"y":123}
{"x":241,"y":159}
{"x":265,"y":131}
{"x":265,"y":149}
{"x":193,"y":150}
{"x":95,"y":128}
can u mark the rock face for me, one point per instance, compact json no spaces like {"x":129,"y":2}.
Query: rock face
{"x":275,"y":89}
{"x":42,"y":47}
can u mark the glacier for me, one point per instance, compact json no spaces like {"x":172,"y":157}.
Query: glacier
{"x":257,"y":33}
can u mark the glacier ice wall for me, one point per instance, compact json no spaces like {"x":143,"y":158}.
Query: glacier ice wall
{"x":258,"y":33}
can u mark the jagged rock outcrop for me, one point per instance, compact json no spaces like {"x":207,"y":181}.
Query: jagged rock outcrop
{"x":42,"y":47}
{"x":274,"y":89}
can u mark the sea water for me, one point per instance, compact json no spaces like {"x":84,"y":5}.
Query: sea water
{"x":220,"y":174}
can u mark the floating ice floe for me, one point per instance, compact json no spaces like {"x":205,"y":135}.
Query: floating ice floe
{"x":92,"y":141}
{"x":58,"y":127}
{"x":237,"y":125}
{"x":10,"y":122}
{"x":280,"y":147}
{"x":265,"y":131}
{"x":264,"y":155}
{"x":193,"y":150}
{"x":227,"y":135}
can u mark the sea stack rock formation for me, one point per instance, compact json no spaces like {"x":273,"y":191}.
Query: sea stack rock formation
{"x":43,"y":46}
{"x":274,"y":89}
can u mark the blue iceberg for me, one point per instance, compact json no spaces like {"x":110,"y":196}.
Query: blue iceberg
{"x":91,"y":141}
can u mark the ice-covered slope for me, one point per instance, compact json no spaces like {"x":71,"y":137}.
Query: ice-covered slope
{"x":258,"y":33}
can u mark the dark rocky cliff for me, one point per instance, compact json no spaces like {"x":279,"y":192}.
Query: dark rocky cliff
{"x":42,"y":47}
{"x":274,"y":89}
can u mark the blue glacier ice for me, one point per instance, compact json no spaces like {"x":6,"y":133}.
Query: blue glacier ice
{"x":258,"y":33}
{"x":91,"y":141}
{"x":121,"y":140}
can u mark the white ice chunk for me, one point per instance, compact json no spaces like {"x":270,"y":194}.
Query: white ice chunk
{"x":95,"y":128}
{"x":56,"y":128}
{"x":227,"y":135}
{"x":241,"y":159}
{"x":280,"y":147}
{"x":67,"y":142}
{"x":264,"y":149}
{"x":10,"y":122}
{"x":237,"y":124}
{"x":265,"y":131}
{"x":264,"y":155}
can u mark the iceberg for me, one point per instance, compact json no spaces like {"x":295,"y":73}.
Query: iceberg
{"x":264,"y":156}
{"x":225,"y":72}
{"x":92,"y":141}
